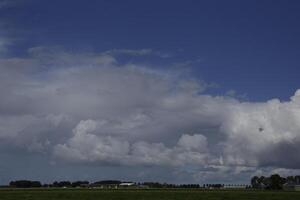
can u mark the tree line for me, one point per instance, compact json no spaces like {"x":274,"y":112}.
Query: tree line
{"x":38,"y":184}
{"x":273,"y":182}
{"x":69,"y":184}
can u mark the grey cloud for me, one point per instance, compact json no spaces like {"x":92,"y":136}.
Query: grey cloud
{"x":137,"y":52}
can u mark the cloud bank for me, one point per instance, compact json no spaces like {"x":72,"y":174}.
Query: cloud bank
{"x":90,"y":109}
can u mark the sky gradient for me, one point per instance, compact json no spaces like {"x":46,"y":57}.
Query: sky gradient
{"x":172,"y":91}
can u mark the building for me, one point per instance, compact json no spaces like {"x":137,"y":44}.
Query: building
{"x":107,"y":184}
{"x":234,"y":186}
{"x":126,"y":184}
{"x":291,"y":187}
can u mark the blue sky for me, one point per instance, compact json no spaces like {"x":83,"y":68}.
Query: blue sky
{"x":170,"y":91}
{"x":248,"y":46}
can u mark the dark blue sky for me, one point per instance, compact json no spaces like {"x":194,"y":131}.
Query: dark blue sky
{"x":252,"y":47}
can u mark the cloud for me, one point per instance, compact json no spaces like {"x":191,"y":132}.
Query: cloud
{"x":265,"y":133}
{"x":9,"y":3}
{"x":3,"y":44}
{"x":88,"y":108}
{"x":193,"y":142}
{"x":6,"y":38}
{"x":86,"y":146}
{"x":137,"y":52}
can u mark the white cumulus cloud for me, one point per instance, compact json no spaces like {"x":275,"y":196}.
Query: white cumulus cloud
{"x":88,"y":108}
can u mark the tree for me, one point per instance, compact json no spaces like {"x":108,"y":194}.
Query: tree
{"x":25,"y":184}
{"x":255,"y":183}
{"x":276,"y":182}
{"x":290,"y":180}
{"x":79,"y":183}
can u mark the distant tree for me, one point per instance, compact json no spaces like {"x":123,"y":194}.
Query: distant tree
{"x":61,"y":184}
{"x":255,"y":183}
{"x":64,"y":184}
{"x":291,"y":180}
{"x":108,"y":182}
{"x":276,"y":182}
{"x":36,"y":184}
{"x":55,"y":184}
{"x":265,"y":182}
{"x":79,"y":183}
{"x":261,"y":180}
{"x":153,"y":184}
{"x":25,"y":184}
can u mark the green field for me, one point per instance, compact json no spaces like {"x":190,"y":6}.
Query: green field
{"x":151,"y":194}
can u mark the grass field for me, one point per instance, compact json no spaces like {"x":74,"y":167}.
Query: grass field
{"x":151,"y":194}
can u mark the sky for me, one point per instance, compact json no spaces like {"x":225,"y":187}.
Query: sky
{"x":169,"y":91}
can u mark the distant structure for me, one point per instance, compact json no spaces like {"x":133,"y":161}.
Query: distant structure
{"x":126,"y":184}
{"x":108,"y":184}
{"x":111,"y":184}
{"x":291,"y":187}
{"x":234,"y":186}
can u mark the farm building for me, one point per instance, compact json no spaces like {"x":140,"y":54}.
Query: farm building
{"x":291,"y":187}
{"x":111,"y":184}
{"x":234,"y":186}
{"x":127,"y":184}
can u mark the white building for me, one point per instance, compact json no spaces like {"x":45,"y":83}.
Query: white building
{"x":233,"y":186}
{"x":127,"y":184}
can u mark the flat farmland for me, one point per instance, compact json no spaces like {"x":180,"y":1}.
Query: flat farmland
{"x":144,"y":194}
